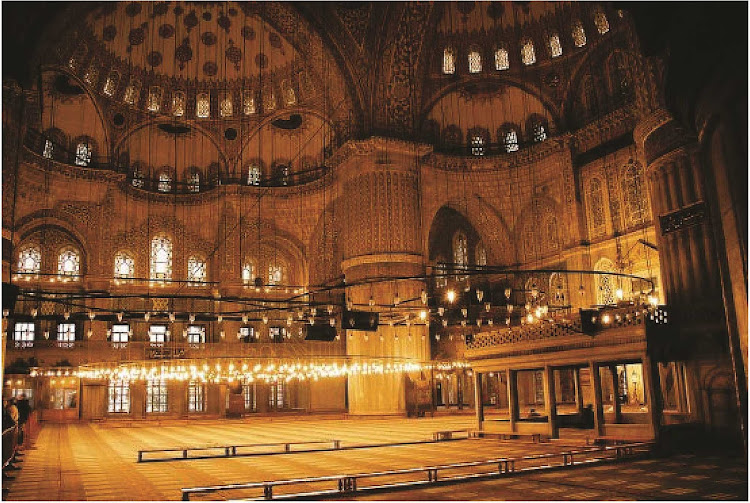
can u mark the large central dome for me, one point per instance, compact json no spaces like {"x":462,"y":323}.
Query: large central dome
{"x":191,"y":40}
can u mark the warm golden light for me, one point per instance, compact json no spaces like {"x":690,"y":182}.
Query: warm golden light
{"x":451,"y":296}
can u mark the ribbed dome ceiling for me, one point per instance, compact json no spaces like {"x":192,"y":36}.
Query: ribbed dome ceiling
{"x":477,"y":16}
{"x":191,"y":40}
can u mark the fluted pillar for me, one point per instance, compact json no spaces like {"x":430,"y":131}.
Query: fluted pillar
{"x":380,"y":193}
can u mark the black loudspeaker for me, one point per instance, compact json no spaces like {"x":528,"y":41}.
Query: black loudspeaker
{"x":10,"y":294}
{"x":320,"y":333}
{"x":360,"y":320}
{"x":590,"y":323}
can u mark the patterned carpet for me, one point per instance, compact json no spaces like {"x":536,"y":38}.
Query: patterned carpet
{"x":98,"y":462}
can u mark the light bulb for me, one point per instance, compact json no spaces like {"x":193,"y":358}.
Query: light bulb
{"x":507,"y":321}
{"x":507,"y":292}
{"x":313,"y":311}
{"x":171,"y":317}
{"x":289,"y":320}
{"x":34,"y":312}
{"x":349,"y":304}
{"x":371,"y":302}
{"x":437,"y":337}
{"x":220,"y":318}
{"x":423,"y":315}
{"x":396,"y":299}
{"x":92,"y":315}
{"x":445,"y":322}
{"x":480,"y":295}
{"x":510,"y":308}
{"x":265,"y":319}
{"x":529,"y":318}
{"x":244,"y":318}
{"x":463,"y":323}
{"x":330,"y":309}
{"x":66,"y":315}
{"x":479,"y":322}
{"x":464,"y":312}
{"x":534,"y":291}
{"x":451,"y":296}
{"x":619,"y":294}
{"x":490,"y":322}
{"x":424,"y":297}
{"x":312,"y":321}
{"x":487,"y":306}
{"x":119,"y":316}
{"x":89,"y":333}
{"x":441,"y":311}
{"x":147,"y":316}
{"x":332,"y":322}
{"x":222,"y":334}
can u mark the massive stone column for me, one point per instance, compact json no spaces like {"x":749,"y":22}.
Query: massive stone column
{"x":380,"y":180}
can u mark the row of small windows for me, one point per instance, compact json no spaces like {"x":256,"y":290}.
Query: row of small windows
{"x":508,"y":137}
{"x":69,"y":264}
{"x":528,"y":52}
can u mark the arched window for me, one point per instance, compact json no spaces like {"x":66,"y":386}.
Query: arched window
{"x":502,"y":61}
{"x":449,"y":61}
{"x":475,"y":62}
{"x":275,"y":274}
{"x":161,"y":258}
{"x":92,"y":72}
{"x":178,"y":103}
{"x":69,"y":262}
{"x":165,"y":182}
{"x":225,"y":104}
{"x":124,"y":265}
{"x":452,"y":135}
{"x":477,"y":144}
{"x":579,"y":34}
{"x":595,"y":202}
{"x":281,"y":173}
{"x":78,"y":56}
{"x":290,"y":97}
{"x":155,"y":94}
{"x":510,"y":139}
{"x":269,"y":100}
{"x":248,"y":102}
{"x":194,"y":181}
{"x":49,"y":148}
{"x":83,"y":153}
{"x":138,"y":176}
{"x":555,"y":47}
{"x":110,"y":85}
{"x":558,"y":289}
{"x":196,"y":270}
{"x":132,"y":92}
{"x":601,"y":22}
{"x":253,"y":174}
{"x":605,"y":286}
{"x":248,"y":273}
{"x":202,"y":106}
{"x":30,"y":260}
{"x":481,"y":254}
{"x":528,"y":56}
{"x":441,"y":280}
{"x":634,"y":193}
{"x":551,"y":235}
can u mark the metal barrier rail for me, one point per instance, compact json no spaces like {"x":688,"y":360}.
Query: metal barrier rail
{"x":232,"y":450}
{"x":500,"y":466}
{"x":10,"y":444}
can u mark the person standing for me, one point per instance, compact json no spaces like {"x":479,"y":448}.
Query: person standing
{"x":24,"y":410}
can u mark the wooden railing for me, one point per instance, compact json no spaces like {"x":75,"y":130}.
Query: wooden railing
{"x":392,"y":479}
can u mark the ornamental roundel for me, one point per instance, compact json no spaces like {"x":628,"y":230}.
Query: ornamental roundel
{"x":210,"y":68}
{"x":160,"y":9}
{"x":178,"y":10}
{"x":136,"y":36}
{"x":248,"y":33}
{"x":207,"y":16}
{"x":191,"y":20}
{"x":166,"y":30}
{"x":234,"y":54}
{"x":208,"y":38}
{"x":275,"y":40}
{"x":495,"y":10}
{"x":154,"y":58}
{"x":232,"y":11}
{"x":133,"y":9}
{"x":261,"y":60}
{"x":109,"y":32}
{"x":465,"y":8}
{"x":183,"y":53}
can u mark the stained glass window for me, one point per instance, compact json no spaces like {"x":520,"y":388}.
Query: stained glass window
{"x":248,"y":273}
{"x":30,"y":260}
{"x":248,"y":102}
{"x":460,"y":252}
{"x":196,"y":270}
{"x":475,"y":62}
{"x":481,"y":254}
{"x":558,"y":289}
{"x":511,"y":140}
{"x":66,"y":334}
{"x":202,"y":106}
{"x":275,"y":274}
{"x":555,"y":47}
{"x":225,"y":105}
{"x":579,"y":34}
{"x":124,"y":265}
{"x":247,"y":334}
{"x":161,"y":258}
{"x":119,"y":396}
{"x":92,"y":73}
{"x":502,"y":61}
{"x":605,"y":291}
{"x":194,"y":182}
{"x":449,"y":61}
{"x":157,"y":335}
{"x":132,"y":92}
{"x":48,"y":149}
{"x":156,"y":396}
{"x":277,"y":395}
{"x":290,"y":97}
{"x":477,"y":145}
{"x":441,"y":281}
{"x":196,"y":334}
{"x":528,"y":55}
{"x":633,"y":189}
{"x":110,"y":85}
{"x":69,"y":263}
{"x":601,"y":22}
{"x":539,"y":131}
{"x":269,"y":100}
{"x":154,"y":98}
{"x":120,"y":334}
{"x":165,"y":182}
{"x":253,"y":175}
{"x":23,"y":335}
{"x":178,"y":103}
{"x":83,"y":154}
{"x":196,"y":397}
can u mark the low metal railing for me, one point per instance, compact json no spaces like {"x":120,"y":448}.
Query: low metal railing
{"x":10,"y":444}
{"x":225,"y":451}
{"x":352,"y":483}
